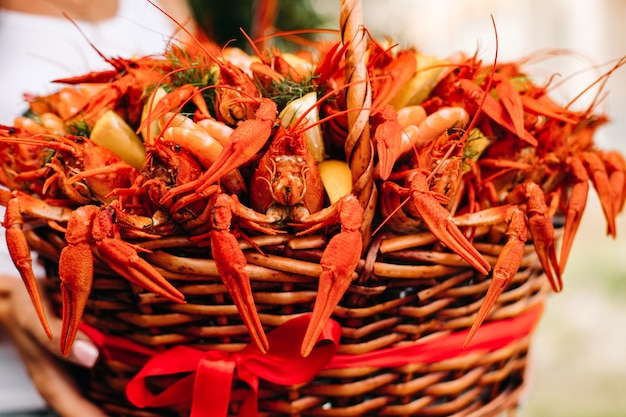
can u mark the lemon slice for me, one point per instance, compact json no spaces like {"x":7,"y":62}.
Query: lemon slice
{"x":419,"y":87}
{"x":112,"y":132}
{"x":336,"y":177}
{"x":301,"y":65}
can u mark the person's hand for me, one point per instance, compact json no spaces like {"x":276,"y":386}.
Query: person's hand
{"x":42,"y":358}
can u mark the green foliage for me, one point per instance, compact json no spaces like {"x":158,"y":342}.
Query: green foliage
{"x":79,"y":128}
{"x":190,"y":70}
{"x":287,"y":90}
{"x":223,"y":20}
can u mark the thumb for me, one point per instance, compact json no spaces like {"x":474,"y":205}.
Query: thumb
{"x":51,"y":378}
{"x":22,"y":314}
{"x":83,"y":352}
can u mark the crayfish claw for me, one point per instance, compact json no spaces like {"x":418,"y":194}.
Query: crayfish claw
{"x":441,"y":224}
{"x":542,"y":232}
{"x":231,"y":264}
{"x":338,"y":262}
{"x":135,"y":269}
{"x":388,"y":139}
{"x":19,"y":250}
{"x":123,"y":259}
{"x":332,"y":286}
{"x":506,"y":267}
{"x":76,"y":274}
{"x":448,"y":233}
{"x":575,"y":207}
{"x":600,"y":179}
{"x":238,"y":285}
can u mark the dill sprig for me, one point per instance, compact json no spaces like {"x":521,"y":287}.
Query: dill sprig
{"x":282,"y":92}
{"x":195,"y":70}
{"x":187,"y":69}
{"x":79,"y":128}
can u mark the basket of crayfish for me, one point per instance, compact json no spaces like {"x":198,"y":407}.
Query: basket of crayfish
{"x":352,"y":230}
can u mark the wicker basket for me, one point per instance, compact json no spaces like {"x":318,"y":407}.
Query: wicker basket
{"x":401,"y":322}
{"x":437,"y":300}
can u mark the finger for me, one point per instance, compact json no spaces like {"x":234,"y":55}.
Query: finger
{"x":52,"y":379}
{"x":84,"y":352}
{"x":7,"y":285}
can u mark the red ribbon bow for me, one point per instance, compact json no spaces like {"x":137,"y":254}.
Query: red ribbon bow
{"x":207,"y":376}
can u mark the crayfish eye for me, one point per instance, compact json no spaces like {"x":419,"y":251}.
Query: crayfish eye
{"x":112,"y":213}
{"x":454,"y":133}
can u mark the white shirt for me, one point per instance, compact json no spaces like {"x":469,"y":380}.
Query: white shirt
{"x":33,"y":51}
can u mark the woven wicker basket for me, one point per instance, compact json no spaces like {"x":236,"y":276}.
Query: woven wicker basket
{"x":381,"y":312}
{"x":410,"y":293}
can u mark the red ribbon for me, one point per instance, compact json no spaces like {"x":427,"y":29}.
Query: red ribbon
{"x":489,"y":337}
{"x":204,"y":379}
{"x":118,"y":348}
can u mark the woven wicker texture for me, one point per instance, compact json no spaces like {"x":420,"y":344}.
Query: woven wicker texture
{"x":438,"y":295}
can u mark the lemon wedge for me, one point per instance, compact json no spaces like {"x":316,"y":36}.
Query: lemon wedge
{"x":336,"y":177}
{"x":429,"y":68}
{"x":112,"y":132}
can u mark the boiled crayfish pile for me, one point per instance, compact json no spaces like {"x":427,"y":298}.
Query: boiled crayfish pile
{"x":214,"y":145}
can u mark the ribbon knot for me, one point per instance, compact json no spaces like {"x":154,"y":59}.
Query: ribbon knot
{"x":204,"y":379}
